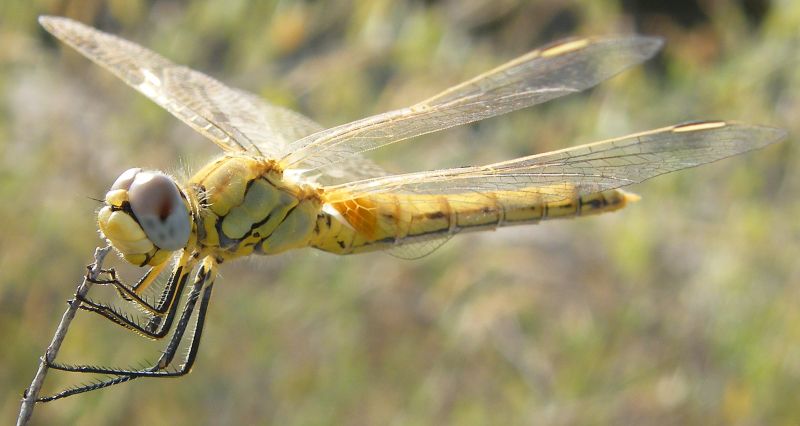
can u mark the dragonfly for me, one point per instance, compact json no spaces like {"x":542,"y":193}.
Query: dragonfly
{"x":284,"y":182}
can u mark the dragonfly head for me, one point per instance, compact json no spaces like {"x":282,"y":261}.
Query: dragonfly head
{"x":146,"y":217}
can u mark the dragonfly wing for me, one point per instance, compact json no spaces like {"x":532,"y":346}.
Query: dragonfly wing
{"x":541,"y":75}
{"x":234,"y":120}
{"x":420,"y":247}
{"x":581,"y":170}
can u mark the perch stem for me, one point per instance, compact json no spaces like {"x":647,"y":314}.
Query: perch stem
{"x":32,"y":393}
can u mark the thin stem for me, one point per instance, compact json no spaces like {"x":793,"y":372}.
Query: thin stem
{"x":30,"y":395}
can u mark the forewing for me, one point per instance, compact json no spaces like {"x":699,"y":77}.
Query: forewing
{"x":544,"y":74}
{"x":234,"y":120}
{"x":581,"y":170}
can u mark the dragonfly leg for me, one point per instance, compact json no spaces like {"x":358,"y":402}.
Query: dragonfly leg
{"x":153,"y":329}
{"x":157,"y":324}
{"x":132,"y":293}
{"x":204,"y":283}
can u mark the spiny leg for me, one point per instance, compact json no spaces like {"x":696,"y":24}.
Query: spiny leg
{"x":205,"y":278}
{"x":169,"y":298}
{"x":153,"y":329}
{"x":168,"y":304}
{"x":133,"y":293}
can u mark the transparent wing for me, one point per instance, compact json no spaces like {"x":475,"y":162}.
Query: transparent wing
{"x":233,"y":119}
{"x":417,"y":248}
{"x":577,"y":171}
{"x":541,"y":75}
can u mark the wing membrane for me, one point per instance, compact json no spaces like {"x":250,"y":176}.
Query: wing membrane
{"x":536,"y":77}
{"x":234,"y":120}
{"x":580,"y":170}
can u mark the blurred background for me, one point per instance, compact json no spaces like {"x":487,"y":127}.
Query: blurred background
{"x":681,"y":309}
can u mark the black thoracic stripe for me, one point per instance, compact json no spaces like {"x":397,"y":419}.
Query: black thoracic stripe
{"x":248,"y":185}
{"x":265,"y":220}
{"x":224,"y":241}
{"x":316,"y":224}
{"x":260,"y":245}
{"x":255,"y":225}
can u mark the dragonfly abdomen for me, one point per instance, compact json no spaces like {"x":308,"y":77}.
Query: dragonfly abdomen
{"x":381,"y":221}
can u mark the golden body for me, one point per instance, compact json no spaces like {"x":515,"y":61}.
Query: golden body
{"x":248,"y":207}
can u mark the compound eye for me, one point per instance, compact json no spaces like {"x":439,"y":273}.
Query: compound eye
{"x":157,"y":204}
{"x":125,"y":180}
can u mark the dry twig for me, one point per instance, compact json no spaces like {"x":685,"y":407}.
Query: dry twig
{"x":29,"y":398}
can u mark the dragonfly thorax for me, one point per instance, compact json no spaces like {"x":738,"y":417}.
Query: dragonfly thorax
{"x":146,"y":216}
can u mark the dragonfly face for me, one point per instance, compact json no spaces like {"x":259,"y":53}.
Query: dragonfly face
{"x":146,"y":217}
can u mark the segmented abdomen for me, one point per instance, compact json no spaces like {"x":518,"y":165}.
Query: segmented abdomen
{"x":380,"y":221}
